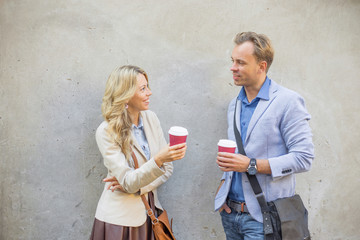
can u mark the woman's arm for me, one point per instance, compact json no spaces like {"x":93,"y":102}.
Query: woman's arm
{"x":168,"y":166}
{"x":131,"y":180}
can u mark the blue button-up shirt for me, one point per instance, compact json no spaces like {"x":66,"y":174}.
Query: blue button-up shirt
{"x":247,"y":110}
{"x":140,"y":136}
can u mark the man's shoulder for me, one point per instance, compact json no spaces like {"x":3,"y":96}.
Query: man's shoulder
{"x":232,"y":103}
{"x":284,"y":92}
{"x":289,"y":100}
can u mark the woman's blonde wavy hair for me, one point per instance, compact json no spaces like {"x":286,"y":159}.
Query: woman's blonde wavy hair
{"x":120,"y":88}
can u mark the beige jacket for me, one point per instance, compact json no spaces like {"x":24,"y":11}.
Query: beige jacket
{"x":127,"y":209}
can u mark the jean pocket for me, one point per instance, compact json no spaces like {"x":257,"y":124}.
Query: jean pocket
{"x":224,"y":213}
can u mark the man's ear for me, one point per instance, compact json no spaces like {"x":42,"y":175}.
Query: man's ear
{"x":262,"y":66}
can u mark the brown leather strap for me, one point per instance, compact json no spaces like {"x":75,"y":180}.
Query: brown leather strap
{"x":149,"y":211}
{"x":135,"y":160}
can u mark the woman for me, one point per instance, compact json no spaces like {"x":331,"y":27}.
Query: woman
{"x":130,"y":127}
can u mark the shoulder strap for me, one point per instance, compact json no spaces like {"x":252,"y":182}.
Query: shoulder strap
{"x":149,"y":211}
{"x":254,"y":183}
{"x":252,"y":178}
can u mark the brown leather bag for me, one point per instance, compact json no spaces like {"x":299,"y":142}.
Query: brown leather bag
{"x":160,"y":225}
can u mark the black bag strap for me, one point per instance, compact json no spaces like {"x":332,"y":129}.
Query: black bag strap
{"x":268,"y":230}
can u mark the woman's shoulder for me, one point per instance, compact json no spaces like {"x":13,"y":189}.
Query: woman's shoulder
{"x":102,"y":128}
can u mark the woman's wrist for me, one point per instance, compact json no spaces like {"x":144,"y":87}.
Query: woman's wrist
{"x":158,"y":161}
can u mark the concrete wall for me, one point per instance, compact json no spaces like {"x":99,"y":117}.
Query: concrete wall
{"x":55,"y":57}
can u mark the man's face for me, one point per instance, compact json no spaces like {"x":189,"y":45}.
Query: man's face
{"x":245,"y":68}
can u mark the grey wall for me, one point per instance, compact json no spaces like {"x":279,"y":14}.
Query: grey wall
{"x":55,"y":57}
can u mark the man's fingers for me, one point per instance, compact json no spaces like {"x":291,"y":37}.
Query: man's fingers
{"x":225,"y":167}
{"x":225,"y":154}
{"x":226,"y":208}
{"x":225,"y":159}
{"x":224,"y":164}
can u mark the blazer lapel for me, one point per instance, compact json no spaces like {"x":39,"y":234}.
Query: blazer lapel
{"x":147,"y":130}
{"x":261,"y":108}
{"x":137,"y":146}
{"x":237,"y":111}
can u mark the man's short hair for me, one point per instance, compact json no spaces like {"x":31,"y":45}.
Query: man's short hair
{"x":263,"y":50}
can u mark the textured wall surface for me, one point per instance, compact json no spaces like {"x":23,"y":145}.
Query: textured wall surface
{"x":55,"y":57}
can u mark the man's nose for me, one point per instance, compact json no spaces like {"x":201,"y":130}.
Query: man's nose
{"x":233,"y":66}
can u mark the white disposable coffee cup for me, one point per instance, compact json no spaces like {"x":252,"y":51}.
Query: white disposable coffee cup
{"x":226,"y":145}
{"x":177,"y":135}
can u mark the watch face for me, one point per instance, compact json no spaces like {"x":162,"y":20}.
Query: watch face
{"x":252,"y":170}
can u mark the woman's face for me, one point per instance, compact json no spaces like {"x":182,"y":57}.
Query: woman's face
{"x":140,"y":101}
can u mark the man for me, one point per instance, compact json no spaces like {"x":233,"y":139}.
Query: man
{"x":273,"y":123}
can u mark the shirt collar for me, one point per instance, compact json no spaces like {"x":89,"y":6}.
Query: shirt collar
{"x":262,"y":94}
{"x":140,"y":125}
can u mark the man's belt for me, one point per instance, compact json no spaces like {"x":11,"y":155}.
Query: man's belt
{"x":237,"y":206}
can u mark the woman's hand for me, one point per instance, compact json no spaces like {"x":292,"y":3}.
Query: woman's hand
{"x":169,"y":154}
{"x":114,"y":184}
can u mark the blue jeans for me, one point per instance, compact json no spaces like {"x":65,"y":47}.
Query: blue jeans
{"x":241,"y":226}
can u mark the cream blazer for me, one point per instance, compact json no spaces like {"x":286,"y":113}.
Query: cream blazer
{"x":127,"y":209}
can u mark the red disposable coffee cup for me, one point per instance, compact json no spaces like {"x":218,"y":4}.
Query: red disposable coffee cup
{"x":225,"y":145}
{"x":177,"y":135}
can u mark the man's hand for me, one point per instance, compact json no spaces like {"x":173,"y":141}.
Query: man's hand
{"x":232,"y":162}
{"x":226,"y":208}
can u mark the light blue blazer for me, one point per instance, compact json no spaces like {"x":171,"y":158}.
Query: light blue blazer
{"x":278,"y":131}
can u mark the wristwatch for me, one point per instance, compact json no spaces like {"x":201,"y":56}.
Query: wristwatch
{"x":252,"y":168}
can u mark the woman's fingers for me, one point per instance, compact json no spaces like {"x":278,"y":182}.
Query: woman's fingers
{"x":112,"y":184}
{"x":169,"y":154}
{"x":117,"y":187}
{"x":178,"y":154}
{"x":109,"y":179}
{"x":178,"y":146}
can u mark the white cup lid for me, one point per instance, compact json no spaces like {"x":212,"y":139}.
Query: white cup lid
{"x":227,"y":143}
{"x":178,"y":131}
